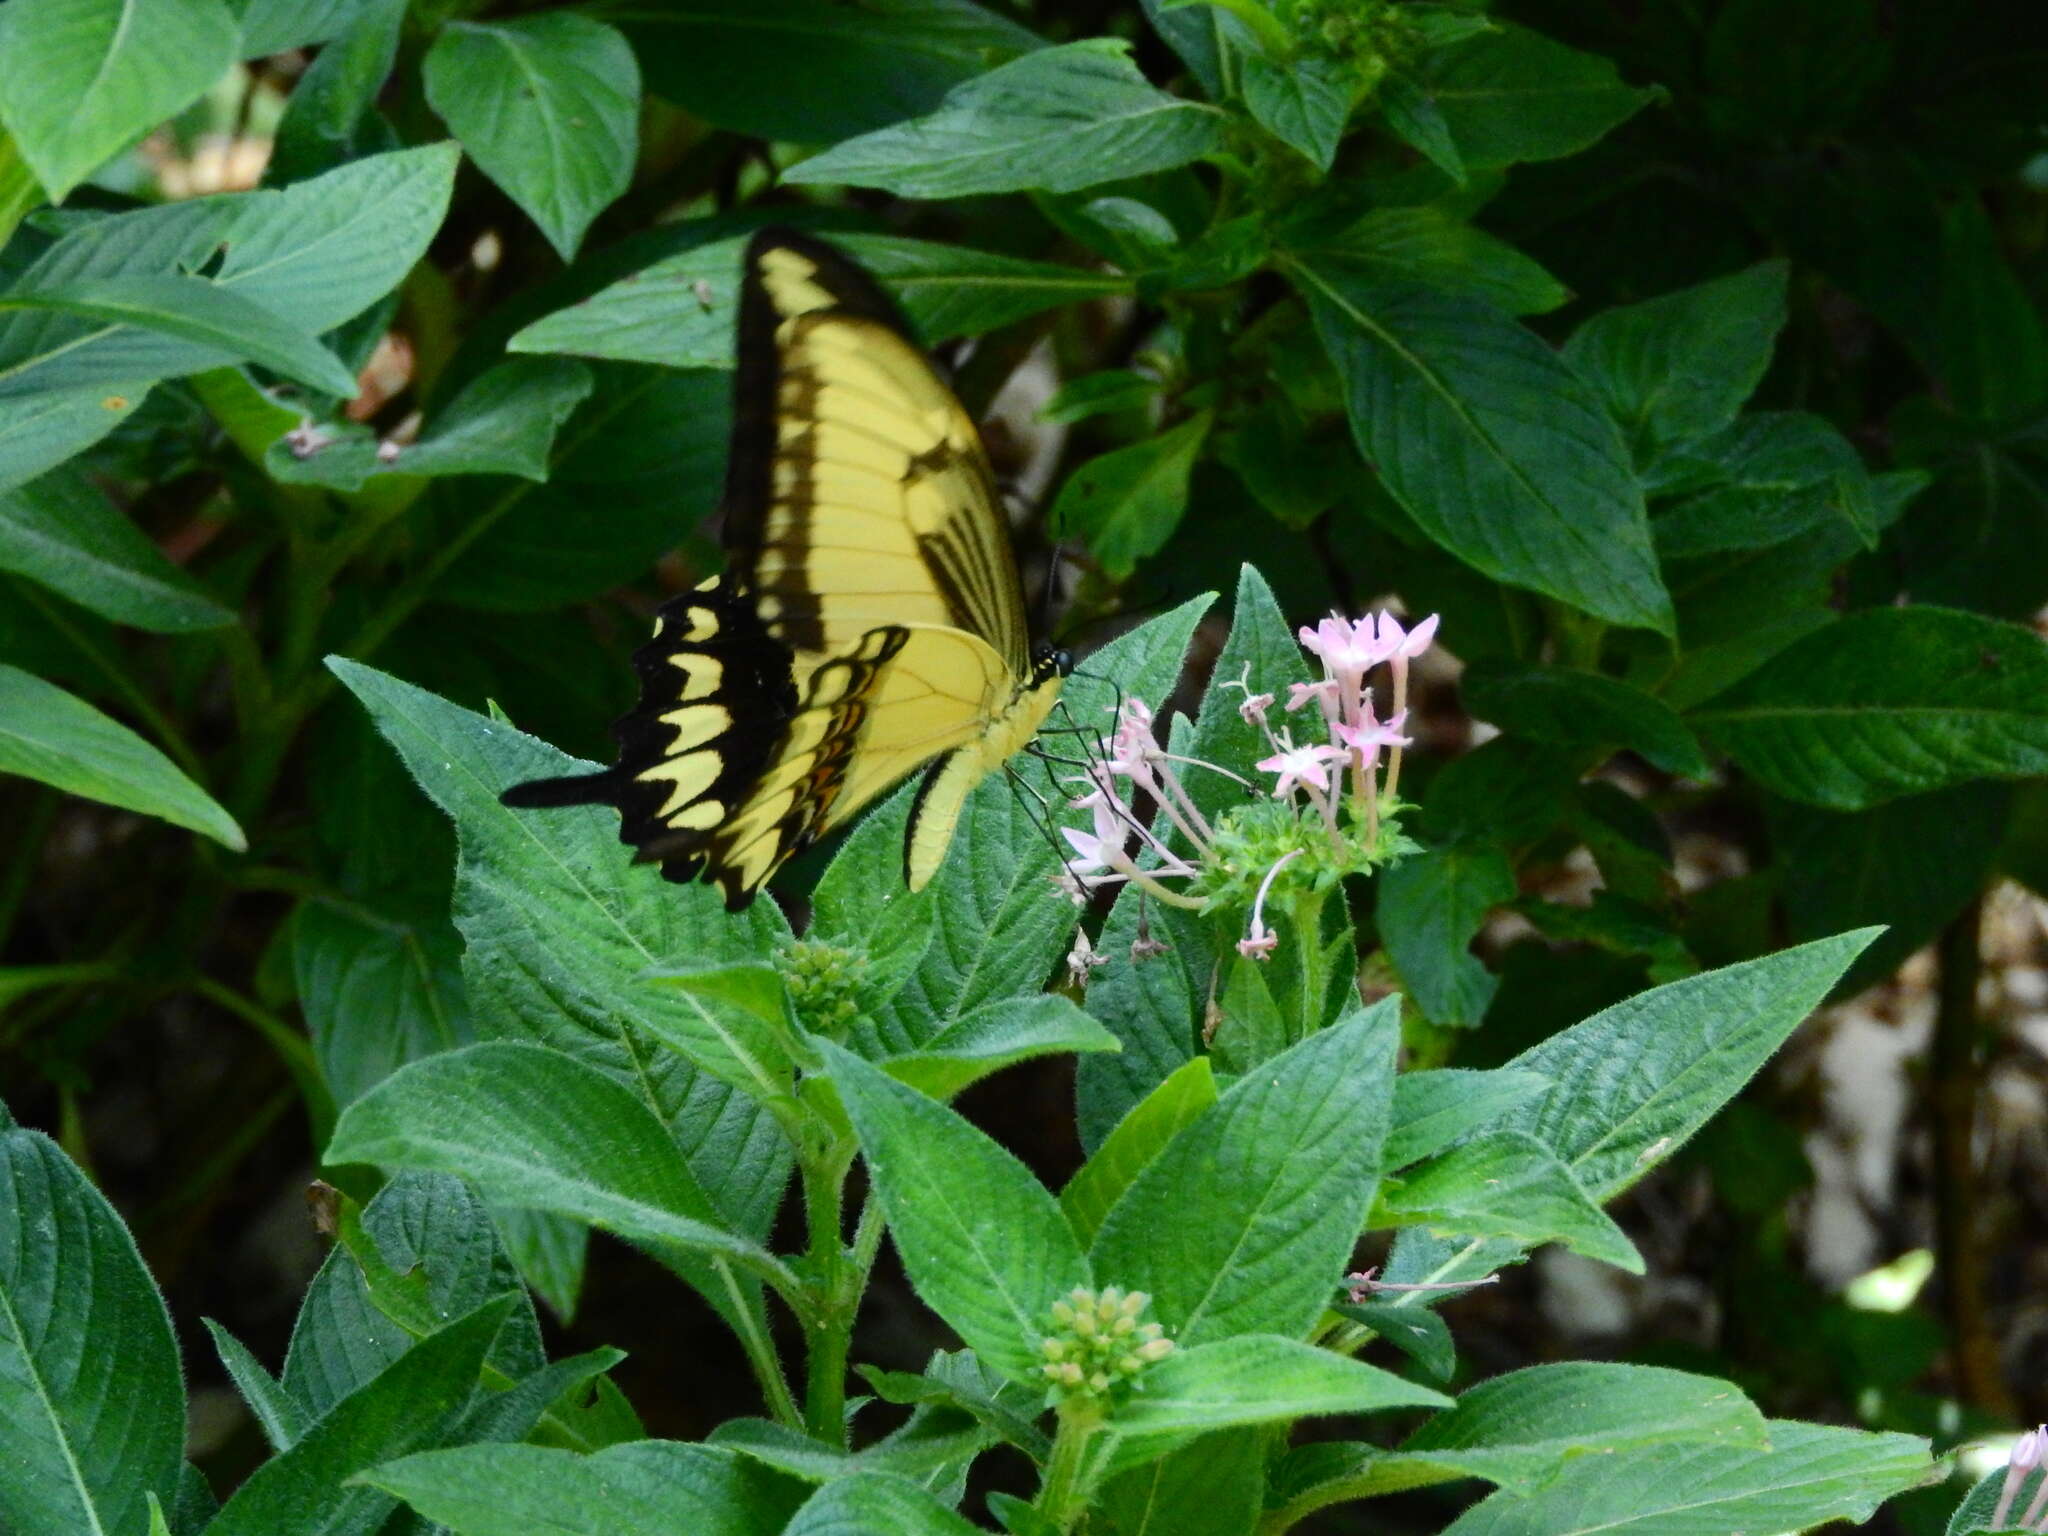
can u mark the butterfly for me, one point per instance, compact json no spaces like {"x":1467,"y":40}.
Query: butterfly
{"x":869,"y":622}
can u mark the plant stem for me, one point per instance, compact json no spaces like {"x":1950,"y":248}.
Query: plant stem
{"x":824,"y":1180}
{"x":1071,"y":1473}
{"x":760,"y":1350}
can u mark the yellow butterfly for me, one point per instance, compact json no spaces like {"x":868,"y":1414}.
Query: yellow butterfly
{"x":869,"y":621}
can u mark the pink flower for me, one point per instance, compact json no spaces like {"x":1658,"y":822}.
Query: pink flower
{"x":1395,"y":641}
{"x":1261,"y":941}
{"x":1100,"y":849}
{"x":1132,"y":746}
{"x":1323,"y":692}
{"x":1301,"y":765}
{"x":1344,"y":646}
{"x":1253,"y":710}
{"x":1373,"y":736}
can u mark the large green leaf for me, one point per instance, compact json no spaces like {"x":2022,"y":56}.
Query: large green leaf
{"x":548,"y":107}
{"x":1770,"y":477}
{"x":1508,"y":94}
{"x":680,"y":311}
{"x":87,"y":78}
{"x":44,"y":429}
{"x":813,"y":71}
{"x":48,"y":734}
{"x":1059,"y":119}
{"x":1428,"y":244}
{"x":1125,"y":504}
{"x":644,"y":1488}
{"x":1680,"y":366}
{"x":89,"y":1382}
{"x":1431,"y":907}
{"x":1890,"y":702}
{"x":1505,"y":1184}
{"x":60,"y":531}
{"x":941,"y":1183}
{"x":1497,"y":450}
{"x":870,"y":1501}
{"x":561,"y":926}
{"x":1243,"y":1224}
{"x":1561,"y":706}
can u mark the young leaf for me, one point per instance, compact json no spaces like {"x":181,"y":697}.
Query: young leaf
{"x":1509,"y":95}
{"x":983,"y":1242}
{"x":1431,"y":907}
{"x":1889,"y":702}
{"x":1103,"y":393}
{"x":813,"y":71}
{"x":1563,"y":707}
{"x":59,"y":530}
{"x":411,"y":1405}
{"x":90,"y":1390}
{"x":282,"y":1417}
{"x":530,"y":1127}
{"x":1252,"y":1379}
{"x":1490,"y":442}
{"x":560,"y":927}
{"x":646,"y":1488}
{"x":47,"y":734}
{"x":1505,"y":1184}
{"x":995,"y":1036}
{"x":1125,"y":504}
{"x":1059,"y":119}
{"x":1303,"y":104}
{"x":1811,"y":1474}
{"x":548,"y":107}
{"x":680,"y":311}
{"x":1242,"y":1225}
{"x":1679,"y":367}
{"x":87,"y":78}
{"x":1180,"y":1100}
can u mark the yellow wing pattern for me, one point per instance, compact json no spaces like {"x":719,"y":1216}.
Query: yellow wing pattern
{"x":870,"y":619}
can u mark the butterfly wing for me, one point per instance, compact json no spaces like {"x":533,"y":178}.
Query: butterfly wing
{"x":870,"y":619}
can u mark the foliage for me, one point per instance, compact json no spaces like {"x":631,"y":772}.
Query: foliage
{"x":1688,"y":362}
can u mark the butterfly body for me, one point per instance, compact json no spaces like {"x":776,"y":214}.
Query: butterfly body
{"x":870,"y":620}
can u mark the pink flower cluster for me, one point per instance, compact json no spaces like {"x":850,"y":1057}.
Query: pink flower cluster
{"x":1319,"y":777}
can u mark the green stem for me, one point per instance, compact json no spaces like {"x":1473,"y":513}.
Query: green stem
{"x":760,"y":1351}
{"x":1072,"y":1471}
{"x":831,"y":1338}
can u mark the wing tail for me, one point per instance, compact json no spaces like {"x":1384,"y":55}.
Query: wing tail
{"x":600,"y":788}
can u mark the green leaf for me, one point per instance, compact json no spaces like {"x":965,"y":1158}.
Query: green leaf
{"x":411,"y":1405}
{"x":1416,"y":1331}
{"x":272,"y":26}
{"x":1432,"y":1109}
{"x":48,"y":734}
{"x":331,"y":116}
{"x":1564,"y":707}
{"x":1679,"y":367}
{"x":426,"y":1225}
{"x":1810,"y":1475}
{"x":874,"y":1501}
{"x":1217,"y":1483}
{"x":1911,"y":864}
{"x":283,"y":1417}
{"x":87,"y":78}
{"x":1430,"y":246}
{"x":1148,"y":1004}
{"x":90,"y":1390}
{"x":957,"y":1379}
{"x":981,"y":1239}
{"x":1255,"y":1378}
{"x":1774,"y":475}
{"x":378,"y":991}
{"x":1633,"y":1082}
{"x":44,"y":429}
{"x":1979,"y":1510}
{"x":1505,"y":1184}
{"x":681,"y":311}
{"x":1182,"y":1098}
{"x":1431,"y":907}
{"x":63,"y":533}
{"x":1490,"y":442}
{"x":1211,"y":41}
{"x":503,"y":423}
{"x":1509,"y":95}
{"x":1244,"y":1222}
{"x":1125,"y":504}
{"x":560,"y":928}
{"x":815,"y":71}
{"x":1104,"y":393}
{"x":548,"y":107}
{"x":646,"y":1488}
{"x":1992,"y":346}
{"x":223,"y":324}
{"x":1889,"y":702}
{"x":1414,"y":118}
{"x":1059,"y":119}
{"x":995,"y":1036}
{"x":532,"y":1128}
{"x":736,"y":1027}
{"x":1303,"y":104}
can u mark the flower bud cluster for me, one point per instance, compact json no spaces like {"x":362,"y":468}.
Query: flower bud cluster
{"x":1097,"y":1345}
{"x":825,"y":981}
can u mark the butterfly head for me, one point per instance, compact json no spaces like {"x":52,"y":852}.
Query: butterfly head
{"x":1050,"y":661}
